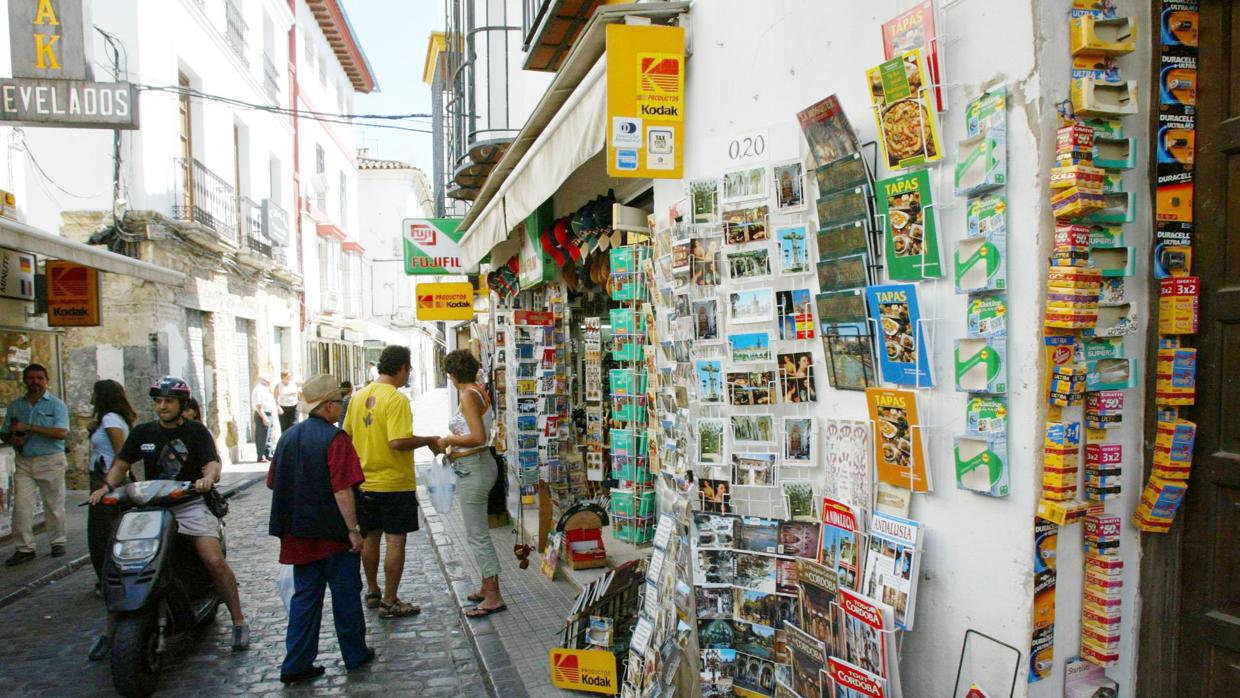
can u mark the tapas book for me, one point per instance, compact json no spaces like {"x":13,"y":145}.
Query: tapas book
{"x":903,"y":358}
{"x":899,"y":456}
{"x":841,"y":542}
{"x":912,"y":242}
{"x":892,"y":564}
{"x":827,"y":131}
{"x":915,"y":29}
{"x":900,"y":92}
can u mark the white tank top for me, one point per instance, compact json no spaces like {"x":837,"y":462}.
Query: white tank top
{"x":459,"y":426}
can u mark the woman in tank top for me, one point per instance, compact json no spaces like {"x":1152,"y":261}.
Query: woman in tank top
{"x":468,"y":446}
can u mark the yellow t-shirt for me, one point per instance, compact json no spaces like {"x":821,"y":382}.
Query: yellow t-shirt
{"x":377,"y":414}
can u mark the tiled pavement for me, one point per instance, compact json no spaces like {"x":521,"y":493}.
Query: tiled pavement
{"x":44,"y":637}
{"x":513,"y":644}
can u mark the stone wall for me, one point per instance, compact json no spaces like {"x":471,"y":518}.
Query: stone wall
{"x":145,"y":330}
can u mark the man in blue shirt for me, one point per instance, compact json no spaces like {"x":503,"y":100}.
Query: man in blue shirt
{"x":36,"y":426}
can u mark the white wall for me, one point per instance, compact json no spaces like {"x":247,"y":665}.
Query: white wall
{"x":753,"y":66}
{"x":386,"y":198}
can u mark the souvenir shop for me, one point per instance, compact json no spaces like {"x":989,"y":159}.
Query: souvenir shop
{"x":851,"y":341}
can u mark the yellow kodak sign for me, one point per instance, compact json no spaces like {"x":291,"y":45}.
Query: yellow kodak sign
{"x":72,"y":295}
{"x":645,"y":101}
{"x":450,"y":301}
{"x":584,"y":670}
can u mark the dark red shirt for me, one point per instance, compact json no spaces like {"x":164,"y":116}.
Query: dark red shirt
{"x":346,"y":471}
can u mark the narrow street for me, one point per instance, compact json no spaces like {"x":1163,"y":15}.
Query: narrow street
{"x":47,"y":634}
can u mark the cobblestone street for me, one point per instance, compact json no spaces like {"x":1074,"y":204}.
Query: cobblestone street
{"x":45,"y":636}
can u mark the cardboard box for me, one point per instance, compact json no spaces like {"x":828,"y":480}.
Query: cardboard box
{"x":1073,"y":202}
{"x":1093,"y":98}
{"x":981,"y":365}
{"x":1083,"y":177}
{"x":981,"y":464}
{"x":583,"y":540}
{"x":1062,"y":513}
{"x":1115,"y":153}
{"x":981,"y":163}
{"x":980,"y":263}
{"x":1113,"y":36}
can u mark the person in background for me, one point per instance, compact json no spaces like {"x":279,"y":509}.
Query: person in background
{"x":381,"y":426}
{"x":110,"y":423}
{"x":469,"y":449}
{"x":313,"y":479}
{"x":36,"y":426}
{"x":192,"y":411}
{"x":346,"y":391}
{"x":264,"y":404}
{"x":286,"y":400}
{"x":372,"y":371}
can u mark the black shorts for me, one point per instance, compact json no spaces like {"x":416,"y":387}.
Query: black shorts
{"x":390,"y":512}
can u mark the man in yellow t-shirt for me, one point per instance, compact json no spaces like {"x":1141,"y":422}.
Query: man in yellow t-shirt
{"x":380,"y":422}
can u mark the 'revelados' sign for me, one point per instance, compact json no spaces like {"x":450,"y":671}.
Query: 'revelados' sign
{"x":50,"y":84}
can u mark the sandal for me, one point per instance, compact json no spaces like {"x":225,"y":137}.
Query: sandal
{"x":399,"y":609}
{"x":373,"y":599}
{"x":480,"y":612}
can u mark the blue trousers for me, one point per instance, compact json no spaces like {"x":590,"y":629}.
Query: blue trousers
{"x":341,"y":572}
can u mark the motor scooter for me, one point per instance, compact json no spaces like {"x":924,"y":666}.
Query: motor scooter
{"x":154,"y":581}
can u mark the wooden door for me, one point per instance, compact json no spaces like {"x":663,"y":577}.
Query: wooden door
{"x":185,"y":123}
{"x":1190,"y":644}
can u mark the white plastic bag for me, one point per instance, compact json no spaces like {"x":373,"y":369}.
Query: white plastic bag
{"x":441,"y":483}
{"x":284,"y":582}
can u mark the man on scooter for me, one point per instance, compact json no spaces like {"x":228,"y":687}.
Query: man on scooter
{"x":174,"y":448}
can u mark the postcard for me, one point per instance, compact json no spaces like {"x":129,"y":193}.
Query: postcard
{"x":902,"y":342}
{"x":799,"y":439}
{"x":704,"y":264}
{"x":796,"y":314}
{"x":849,"y":353}
{"x":759,"y":535}
{"x":717,"y":669}
{"x":793,"y":249}
{"x":846,"y":456}
{"x":710,"y":440}
{"x":749,"y":264}
{"x":827,"y":131}
{"x":709,"y":374}
{"x":705,"y":314}
{"x":746,"y":224}
{"x":910,"y":237}
{"x":752,"y":429}
{"x":754,"y":305}
{"x":796,"y":377}
{"x":789,"y":186}
{"x":844,"y":240}
{"x":845,"y":173}
{"x":714,"y":602}
{"x":799,"y":505}
{"x":841,"y":307}
{"x":843,"y":273}
{"x":682,"y":252}
{"x":899,"y":90}
{"x":842,"y":207}
{"x":755,"y":607}
{"x":751,"y":388}
{"x":741,"y":185}
{"x":715,"y":567}
{"x":750,"y":347}
{"x":715,"y":530}
{"x":704,"y":200}
{"x":753,"y":571}
{"x":753,"y":469}
{"x":716,"y":496}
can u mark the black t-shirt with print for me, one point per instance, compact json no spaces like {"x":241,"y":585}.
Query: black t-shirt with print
{"x":170,"y":454}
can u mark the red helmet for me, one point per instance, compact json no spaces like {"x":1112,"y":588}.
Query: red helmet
{"x":170,"y":386}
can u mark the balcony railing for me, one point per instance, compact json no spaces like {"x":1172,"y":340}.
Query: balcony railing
{"x":251,"y":216}
{"x":205,"y":198}
{"x":271,"y":79}
{"x":235,"y":29}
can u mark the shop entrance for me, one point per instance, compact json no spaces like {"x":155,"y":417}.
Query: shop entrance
{"x":1190,"y":643}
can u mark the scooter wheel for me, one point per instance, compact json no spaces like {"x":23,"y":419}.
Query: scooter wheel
{"x":135,"y":659}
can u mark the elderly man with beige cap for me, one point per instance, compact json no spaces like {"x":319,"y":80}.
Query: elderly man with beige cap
{"x":314,"y":476}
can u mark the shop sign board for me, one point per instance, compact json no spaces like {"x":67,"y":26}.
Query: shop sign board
{"x":50,"y":84}
{"x":645,"y":101}
{"x":584,"y":670}
{"x":432,"y":246}
{"x":16,"y":274}
{"x":72,"y":295}
{"x":535,"y":265}
{"x":447,"y":301}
